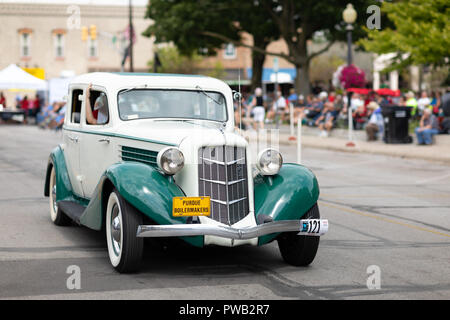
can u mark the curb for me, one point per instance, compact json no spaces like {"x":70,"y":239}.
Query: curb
{"x":437,"y":154}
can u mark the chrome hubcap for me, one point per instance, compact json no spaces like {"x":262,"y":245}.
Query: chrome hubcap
{"x":116,"y":227}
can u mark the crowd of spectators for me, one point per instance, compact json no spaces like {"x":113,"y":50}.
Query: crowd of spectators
{"x":322,"y":110}
{"x":29,"y":106}
{"x":52,"y":116}
{"x":325,"y":109}
{"x":34,"y":111}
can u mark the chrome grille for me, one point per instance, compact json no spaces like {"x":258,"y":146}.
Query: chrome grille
{"x":222,"y":175}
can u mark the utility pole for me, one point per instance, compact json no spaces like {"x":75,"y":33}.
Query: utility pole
{"x":130,"y":18}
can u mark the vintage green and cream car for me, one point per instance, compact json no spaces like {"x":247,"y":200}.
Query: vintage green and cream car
{"x":154,"y":155}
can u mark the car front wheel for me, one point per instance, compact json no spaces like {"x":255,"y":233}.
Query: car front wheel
{"x":122,"y":220}
{"x":300,"y":250}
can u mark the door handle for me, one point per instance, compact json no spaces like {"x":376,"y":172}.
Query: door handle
{"x":104,"y":140}
{"x":73,"y":139}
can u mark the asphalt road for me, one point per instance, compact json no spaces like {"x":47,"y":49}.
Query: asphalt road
{"x":385,"y":212}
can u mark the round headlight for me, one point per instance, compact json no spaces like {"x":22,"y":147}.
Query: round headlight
{"x":170,"y":160}
{"x":269,"y":162}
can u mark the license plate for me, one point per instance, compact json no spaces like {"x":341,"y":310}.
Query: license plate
{"x":313,"y":226}
{"x":191,"y":206}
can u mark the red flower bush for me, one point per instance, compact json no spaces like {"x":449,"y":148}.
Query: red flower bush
{"x":352,"y":77}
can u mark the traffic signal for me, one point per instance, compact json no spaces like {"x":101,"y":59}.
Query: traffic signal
{"x":84,"y":33}
{"x":93,"y":31}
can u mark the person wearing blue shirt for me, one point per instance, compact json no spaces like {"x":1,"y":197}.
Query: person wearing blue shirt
{"x":292,"y":96}
{"x":375,"y":125}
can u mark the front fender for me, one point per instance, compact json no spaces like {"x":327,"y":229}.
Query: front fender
{"x":286,"y":196}
{"x":145,"y":188}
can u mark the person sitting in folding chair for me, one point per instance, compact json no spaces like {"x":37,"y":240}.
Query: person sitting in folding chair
{"x":427,"y":129}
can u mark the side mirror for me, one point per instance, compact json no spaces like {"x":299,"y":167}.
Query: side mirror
{"x":237,"y":95}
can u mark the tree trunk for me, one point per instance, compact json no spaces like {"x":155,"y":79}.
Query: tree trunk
{"x":257,"y":63}
{"x":302,"y":84}
{"x":257,"y":70}
{"x":300,"y":53}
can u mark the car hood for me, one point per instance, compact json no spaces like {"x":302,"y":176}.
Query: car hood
{"x":174,"y":132}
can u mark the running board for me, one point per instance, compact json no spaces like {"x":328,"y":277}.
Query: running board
{"x":72,"y":209}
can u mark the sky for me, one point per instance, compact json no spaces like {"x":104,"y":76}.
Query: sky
{"x":81,"y":2}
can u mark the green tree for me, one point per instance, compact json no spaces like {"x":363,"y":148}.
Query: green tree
{"x":298,"y":21}
{"x":217,"y":71}
{"x":261,"y":26}
{"x":203,"y":26}
{"x":420,"y":34}
{"x":172,"y":61}
{"x":209,"y":24}
{"x":323,"y":67}
{"x":179,"y":21}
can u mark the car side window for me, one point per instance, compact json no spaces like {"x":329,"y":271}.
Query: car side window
{"x":75,"y":108}
{"x":99,"y":105}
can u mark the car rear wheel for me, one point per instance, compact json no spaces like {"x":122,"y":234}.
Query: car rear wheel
{"x":58,"y":217}
{"x":300,"y":250}
{"x":124,"y":248}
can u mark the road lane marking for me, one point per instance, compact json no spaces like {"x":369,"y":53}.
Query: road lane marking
{"x":364,"y":214}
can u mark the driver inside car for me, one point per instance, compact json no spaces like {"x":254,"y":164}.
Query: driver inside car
{"x":100,"y":105}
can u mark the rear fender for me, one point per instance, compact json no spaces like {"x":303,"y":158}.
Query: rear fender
{"x":64,"y":187}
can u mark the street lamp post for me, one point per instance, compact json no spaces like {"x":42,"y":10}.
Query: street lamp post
{"x":349,"y":16}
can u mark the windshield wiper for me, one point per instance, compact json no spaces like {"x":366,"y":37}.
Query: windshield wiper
{"x":133,"y":88}
{"x":206,"y":94}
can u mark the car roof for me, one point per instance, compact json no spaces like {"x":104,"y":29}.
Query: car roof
{"x":118,"y":80}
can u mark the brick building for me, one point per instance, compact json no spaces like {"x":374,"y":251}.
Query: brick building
{"x":47,"y":34}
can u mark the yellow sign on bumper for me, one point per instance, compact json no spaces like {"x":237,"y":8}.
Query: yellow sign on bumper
{"x":191,"y":206}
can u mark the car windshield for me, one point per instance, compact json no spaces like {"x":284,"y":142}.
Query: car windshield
{"x":184,"y":104}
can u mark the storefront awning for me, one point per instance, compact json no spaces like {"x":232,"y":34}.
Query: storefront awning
{"x":285,"y":75}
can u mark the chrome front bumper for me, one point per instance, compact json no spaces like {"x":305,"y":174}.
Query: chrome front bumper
{"x":310,"y":227}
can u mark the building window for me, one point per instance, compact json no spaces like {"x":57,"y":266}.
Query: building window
{"x":25,"y":43}
{"x":230,"y":51}
{"x":59,"y":45}
{"x":93,"y":48}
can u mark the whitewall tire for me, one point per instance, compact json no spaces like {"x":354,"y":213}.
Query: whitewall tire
{"x":122,"y":220}
{"x":56,"y":215}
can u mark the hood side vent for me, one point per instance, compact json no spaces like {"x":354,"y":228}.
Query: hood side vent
{"x":138,"y":155}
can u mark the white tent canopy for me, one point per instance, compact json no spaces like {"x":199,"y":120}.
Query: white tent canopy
{"x":13,"y":77}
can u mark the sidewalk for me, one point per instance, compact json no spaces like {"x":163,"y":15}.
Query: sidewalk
{"x":440,"y":151}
